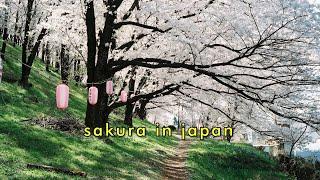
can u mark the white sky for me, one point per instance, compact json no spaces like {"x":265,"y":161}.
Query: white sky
{"x":314,"y":146}
{"x":314,"y":1}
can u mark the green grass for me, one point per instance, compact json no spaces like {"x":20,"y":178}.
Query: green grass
{"x":124,"y":158}
{"x":212,"y":159}
{"x":39,"y":100}
{"x":128,"y":157}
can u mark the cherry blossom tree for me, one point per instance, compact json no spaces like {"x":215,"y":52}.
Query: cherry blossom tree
{"x":263,"y":55}
{"x":252,"y":51}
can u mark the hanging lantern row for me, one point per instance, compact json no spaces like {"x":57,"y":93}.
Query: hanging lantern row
{"x":62,"y":95}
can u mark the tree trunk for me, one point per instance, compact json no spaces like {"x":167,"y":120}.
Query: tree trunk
{"x":76,"y":70}
{"x":57,"y":62}
{"x":98,"y":113}
{"x":291,"y":150}
{"x":97,"y":71}
{"x":47,"y":60}
{"x":24,"y":81}
{"x":57,"y":66}
{"x":26,"y":67}
{"x":5,"y":32}
{"x":130,"y":106}
{"x":296,"y":141}
{"x":64,"y":59}
{"x":92,"y":111}
{"x":43,"y":53}
{"x":129,"y":114}
{"x":4,"y":43}
{"x":30,"y":44}
{"x":15,"y":38}
{"x":229,"y":138}
{"x":142,"y":112}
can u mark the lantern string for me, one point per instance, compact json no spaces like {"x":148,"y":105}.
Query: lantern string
{"x":45,"y":74}
{"x":41,"y":72}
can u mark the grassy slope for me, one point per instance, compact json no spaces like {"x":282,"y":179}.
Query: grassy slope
{"x":220,"y":160}
{"x":21,"y":144}
{"x":128,"y":158}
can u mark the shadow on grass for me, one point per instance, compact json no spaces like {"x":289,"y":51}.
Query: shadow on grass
{"x":126,"y":158}
{"x":35,"y":143}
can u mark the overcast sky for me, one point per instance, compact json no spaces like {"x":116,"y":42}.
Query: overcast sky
{"x":314,"y":1}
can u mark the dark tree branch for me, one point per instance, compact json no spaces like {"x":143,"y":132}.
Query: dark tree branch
{"x":226,"y":114}
{"x":125,"y":23}
{"x":134,"y":5}
{"x":166,"y":90}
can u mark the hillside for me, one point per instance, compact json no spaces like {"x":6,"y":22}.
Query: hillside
{"x":125,"y":158}
{"x":220,"y":160}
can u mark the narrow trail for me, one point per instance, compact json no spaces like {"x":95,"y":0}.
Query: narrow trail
{"x":175,"y":166}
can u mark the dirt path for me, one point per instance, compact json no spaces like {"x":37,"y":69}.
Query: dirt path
{"x":175,"y":166}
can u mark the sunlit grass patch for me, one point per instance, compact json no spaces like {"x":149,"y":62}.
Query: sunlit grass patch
{"x":211,"y":159}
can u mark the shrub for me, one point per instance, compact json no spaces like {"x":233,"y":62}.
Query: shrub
{"x":299,"y":167}
{"x":173,"y":128}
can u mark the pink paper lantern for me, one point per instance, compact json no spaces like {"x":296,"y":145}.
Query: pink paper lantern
{"x":62,"y":96}
{"x":0,"y":74}
{"x":1,"y":70}
{"x":123,"y":96}
{"x":109,"y":88}
{"x":93,"y":95}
